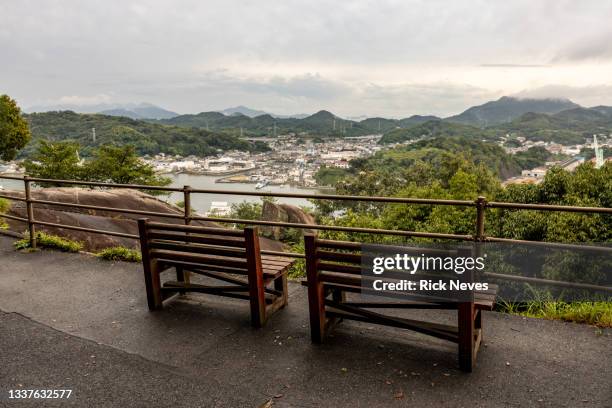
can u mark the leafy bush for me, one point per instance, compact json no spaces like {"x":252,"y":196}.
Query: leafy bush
{"x":120,"y":254}
{"x":4,"y":206}
{"x":594,"y":313}
{"x":44,"y":240}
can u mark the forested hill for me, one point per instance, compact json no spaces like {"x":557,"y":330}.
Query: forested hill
{"x":570,"y":126}
{"x":148,"y":138}
{"x":322,"y":123}
{"x":437,"y":150}
{"x":507,"y":108}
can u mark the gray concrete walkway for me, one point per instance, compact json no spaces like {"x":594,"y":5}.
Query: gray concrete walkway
{"x":72,"y":321}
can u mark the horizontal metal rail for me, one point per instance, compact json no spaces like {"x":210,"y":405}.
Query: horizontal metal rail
{"x":549,"y":207}
{"x":101,"y":184}
{"x":95,"y":231}
{"x":565,"y":284}
{"x":13,"y":217}
{"x":339,"y":228}
{"x":110,"y":209}
{"x":12,"y":177}
{"x":557,"y":245}
{"x":8,"y":197}
{"x":336,"y":197}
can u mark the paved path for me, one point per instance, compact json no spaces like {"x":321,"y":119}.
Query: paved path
{"x":72,"y":321}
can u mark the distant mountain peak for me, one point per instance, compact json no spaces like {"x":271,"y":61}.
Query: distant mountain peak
{"x":242,"y":110}
{"x":508,"y":108}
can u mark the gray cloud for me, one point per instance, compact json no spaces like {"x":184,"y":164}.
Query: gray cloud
{"x":392,"y":57}
{"x":595,"y":47}
{"x":585,"y":95}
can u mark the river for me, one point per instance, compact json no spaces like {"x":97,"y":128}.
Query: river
{"x":201,"y":202}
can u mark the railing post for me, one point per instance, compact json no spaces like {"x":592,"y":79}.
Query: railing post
{"x":181,"y":274}
{"x":481,"y":204}
{"x":30,"y":211}
{"x":187,"y":201}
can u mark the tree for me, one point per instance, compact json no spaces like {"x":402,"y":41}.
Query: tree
{"x":110,"y":164}
{"x":55,"y":160}
{"x":14,"y":130}
{"x":119,"y":164}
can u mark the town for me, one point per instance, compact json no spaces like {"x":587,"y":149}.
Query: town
{"x":292,"y":160}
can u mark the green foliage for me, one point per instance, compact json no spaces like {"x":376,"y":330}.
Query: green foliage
{"x":49,"y":241}
{"x":119,"y":164}
{"x":5,"y":205}
{"x":329,"y":176}
{"x":567,"y":127}
{"x":298,"y":268}
{"x":14,"y":131}
{"x":146,"y":137}
{"x":593,"y":313}
{"x":55,"y":160}
{"x":435,"y":129}
{"x":120,"y":254}
{"x":109,"y":163}
{"x":533,"y":157}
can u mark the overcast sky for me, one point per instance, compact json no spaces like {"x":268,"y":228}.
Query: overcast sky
{"x":387,"y":58}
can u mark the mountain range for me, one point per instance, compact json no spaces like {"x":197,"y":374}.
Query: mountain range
{"x":246,"y":121}
{"x":130,"y":110}
{"x":556,"y":120}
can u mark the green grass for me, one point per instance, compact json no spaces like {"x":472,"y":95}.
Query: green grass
{"x":593,"y":313}
{"x":120,"y":254}
{"x":48,"y":241}
{"x":4,"y":207}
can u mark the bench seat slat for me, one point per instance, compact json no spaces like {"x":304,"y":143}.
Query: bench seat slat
{"x":195,"y":229}
{"x":199,"y":259}
{"x":268,"y":271}
{"x":199,"y":249}
{"x":199,"y":239}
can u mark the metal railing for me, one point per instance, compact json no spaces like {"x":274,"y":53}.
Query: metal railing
{"x":480,"y":205}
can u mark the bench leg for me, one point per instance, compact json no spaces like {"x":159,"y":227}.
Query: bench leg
{"x":180,"y":277}
{"x":153,"y":286}
{"x":280,"y":284}
{"x":257,"y":297}
{"x":466,"y":325}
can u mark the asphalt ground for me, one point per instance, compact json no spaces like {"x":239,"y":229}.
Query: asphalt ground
{"x":72,"y":321}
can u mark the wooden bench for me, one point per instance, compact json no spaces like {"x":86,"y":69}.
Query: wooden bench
{"x":334,"y":269}
{"x":221,"y":254}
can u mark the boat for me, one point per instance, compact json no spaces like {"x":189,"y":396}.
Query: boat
{"x":261,"y":184}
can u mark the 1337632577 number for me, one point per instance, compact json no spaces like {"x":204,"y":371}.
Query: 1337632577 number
{"x":39,"y":394}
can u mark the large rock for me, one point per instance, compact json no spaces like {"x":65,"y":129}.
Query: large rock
{"x":284,"y":213}
{"x":100,"y":219}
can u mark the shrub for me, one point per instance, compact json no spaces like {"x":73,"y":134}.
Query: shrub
{"x":120,"y":254}
{"x":593,"y":313}
{"x":51,"y":242}
{"x":4,"y":205}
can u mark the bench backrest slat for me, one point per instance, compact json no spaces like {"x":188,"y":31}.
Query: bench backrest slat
{"x":201,"y":247}
{"x":339,"y":261}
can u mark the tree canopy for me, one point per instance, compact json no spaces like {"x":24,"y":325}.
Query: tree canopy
{"x":109,"y":163}
{"x":14,"y":130}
